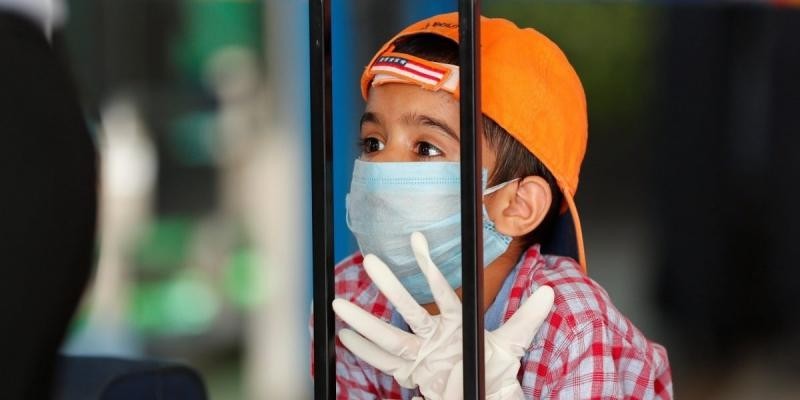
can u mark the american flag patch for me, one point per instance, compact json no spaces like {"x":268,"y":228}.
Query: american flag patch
{"x":405,"y":68}
{"x":415,"y":69}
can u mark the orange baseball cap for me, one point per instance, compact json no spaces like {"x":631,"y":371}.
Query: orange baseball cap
{"x":528,"y":87}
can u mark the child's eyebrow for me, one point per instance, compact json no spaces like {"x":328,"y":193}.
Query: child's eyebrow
{"x":422,"y":119}
{"x":369,"y":117}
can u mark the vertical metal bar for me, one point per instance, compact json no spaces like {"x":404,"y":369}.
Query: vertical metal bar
{"x":322,"y":198}
{"x":471,"y":197}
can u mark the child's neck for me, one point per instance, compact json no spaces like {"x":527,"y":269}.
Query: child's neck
{"x":493,"y":276}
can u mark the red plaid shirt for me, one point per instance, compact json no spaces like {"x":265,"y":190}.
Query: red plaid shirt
{"x":586,"y":349}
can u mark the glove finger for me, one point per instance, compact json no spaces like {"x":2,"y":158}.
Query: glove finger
{"x":417,"y":318}
{"x":445,"y":297}
{"x":518,"y":332}
{"x":455,"y":383}
{"x":371,"y":353}
{"x":383,"y":334}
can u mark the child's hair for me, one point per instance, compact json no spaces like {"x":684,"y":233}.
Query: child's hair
{"x":513,"y":159}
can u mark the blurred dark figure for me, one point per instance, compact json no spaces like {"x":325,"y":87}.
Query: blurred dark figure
{"x":727,"y":162}
{"x":47,"y":203}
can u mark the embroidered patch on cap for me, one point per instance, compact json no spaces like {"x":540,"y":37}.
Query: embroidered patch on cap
{"x":405,"y":68}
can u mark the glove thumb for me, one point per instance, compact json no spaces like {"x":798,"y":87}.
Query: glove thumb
{"x":518,"y":332}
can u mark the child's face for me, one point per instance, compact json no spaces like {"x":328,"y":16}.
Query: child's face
{"x":406,"y":123}
{"x":403,"y":123}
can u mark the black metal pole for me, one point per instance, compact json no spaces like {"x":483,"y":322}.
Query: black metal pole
{"x":322,"y":198}
{"x":471,"y":197}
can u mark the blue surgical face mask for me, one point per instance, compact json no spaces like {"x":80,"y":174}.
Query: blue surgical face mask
{"x":389,"y":201}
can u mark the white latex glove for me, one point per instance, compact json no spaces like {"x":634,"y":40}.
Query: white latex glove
{"x":432,"y":357}
{"x":504,"y":347}
{"x":424,"y":358}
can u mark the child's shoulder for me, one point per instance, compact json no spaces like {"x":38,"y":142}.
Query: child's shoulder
{"x":585,"y":343}
{"x":578,"y":297}
{"x":581,"y":304}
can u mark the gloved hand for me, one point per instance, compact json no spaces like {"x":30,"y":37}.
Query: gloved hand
{"x":424,"y":358}
{"x":431,"y":357}
{"x":504,"y":347}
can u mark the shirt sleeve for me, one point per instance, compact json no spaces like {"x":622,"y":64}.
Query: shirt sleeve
{"x":599,"y":363}
{"x":356,"y":379}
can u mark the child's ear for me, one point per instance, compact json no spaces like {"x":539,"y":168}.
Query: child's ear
{"x":518,"y":209}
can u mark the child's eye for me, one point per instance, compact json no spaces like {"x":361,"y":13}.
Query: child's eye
{"x":371,"y":145}
{"x":425,"y":149}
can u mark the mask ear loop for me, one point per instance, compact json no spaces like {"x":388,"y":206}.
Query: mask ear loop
{"x":499,"y":186}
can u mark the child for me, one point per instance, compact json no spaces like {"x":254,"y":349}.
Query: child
{"x":406,"y":180}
